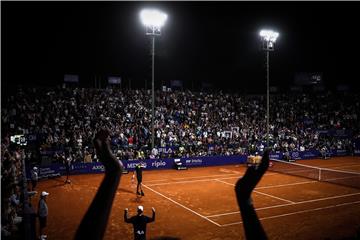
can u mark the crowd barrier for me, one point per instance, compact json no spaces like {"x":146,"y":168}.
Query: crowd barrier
{"x":57,"y":169}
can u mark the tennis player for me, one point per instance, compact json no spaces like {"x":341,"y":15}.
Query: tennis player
{"x":138,"y":170}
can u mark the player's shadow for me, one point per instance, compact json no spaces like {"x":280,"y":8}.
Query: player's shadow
{"x":165,"y":238}
{"x":125,"y":190}
{"x":56,"y":179}
{"x":137,"y":199}
{"x":58,"y":182}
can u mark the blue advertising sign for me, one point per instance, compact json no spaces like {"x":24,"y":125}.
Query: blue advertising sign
{"x":295,"y":155}
{"x":310,"y":154}
{"x":57,"y":169}
{"x":339,"y":152}
{"x":213,"y":160}
{"x":357,"y":152}
{"x":276,"y":155}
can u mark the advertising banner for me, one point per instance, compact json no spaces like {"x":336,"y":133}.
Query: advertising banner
{"x":339,"y":152}
{"x":310,"y":154}
{"x":57,"y":169}
{"x":276,"y":155}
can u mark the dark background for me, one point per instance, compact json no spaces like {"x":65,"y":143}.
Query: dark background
{"x":214,"y":42}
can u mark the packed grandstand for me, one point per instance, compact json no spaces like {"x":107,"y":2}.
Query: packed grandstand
{"x":186,"y":123}
{"x":63,"y":120}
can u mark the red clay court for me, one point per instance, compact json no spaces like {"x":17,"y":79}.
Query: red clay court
{"x":200,"y":203}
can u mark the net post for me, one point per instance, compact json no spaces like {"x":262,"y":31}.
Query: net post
{"x":319,"y":174}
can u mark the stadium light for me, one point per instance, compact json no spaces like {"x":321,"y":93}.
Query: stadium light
{"x":268,"y":38}
{"x":153,"y":20}
{"x":153,"y":17}
{"x":269,"y":35}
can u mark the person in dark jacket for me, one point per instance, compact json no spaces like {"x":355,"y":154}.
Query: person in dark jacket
{"x":139,"y":222}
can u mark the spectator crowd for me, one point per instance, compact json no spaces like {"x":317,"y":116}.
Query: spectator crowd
{"x":63,"y":120}
{"x":12,"y":183}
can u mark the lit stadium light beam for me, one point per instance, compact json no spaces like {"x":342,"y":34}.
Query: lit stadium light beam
{"x":269,"y":35}
{"x":153,"y":18}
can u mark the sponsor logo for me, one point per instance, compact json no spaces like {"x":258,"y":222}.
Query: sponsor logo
{"x":165,"y":150}
{"x":275,"y":156}
{"x":309,"y":155}
{"x":44,"y":171}
{"x":295,"y":155}
{"x":341,"y":152}
{"x":133,"y":165}
{"x":98,"y":167}
{"x":138,"y":232}
{"x":82,"y":166}
{"x":158,"y":164}
{"x":194,"y":161}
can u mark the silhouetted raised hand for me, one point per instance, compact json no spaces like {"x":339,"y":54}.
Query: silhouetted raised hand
{"x":94,"y":223}
{"x":243,"y":189}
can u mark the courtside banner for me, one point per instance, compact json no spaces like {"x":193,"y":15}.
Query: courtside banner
{"x":357,"y":152}
{"x":339,"y":152}
{"x":276,"y":155}
{"x":168,"y":163}
{"x":309,"y":154}
{"x":50,"y":171}
{"x":213,"y":160}
{"x":149,"y":164}
{"x":57,"y":169}
{"x":295,"y":155}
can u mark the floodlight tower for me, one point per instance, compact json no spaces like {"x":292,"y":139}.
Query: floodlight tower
{"x":153,"y":21}
{"x":268,"y":38}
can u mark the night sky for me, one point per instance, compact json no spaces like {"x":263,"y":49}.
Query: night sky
{"x":214,"y":42}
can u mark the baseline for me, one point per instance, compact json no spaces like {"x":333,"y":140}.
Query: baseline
{"x":289,"y":204}
{"x":297,"y":212}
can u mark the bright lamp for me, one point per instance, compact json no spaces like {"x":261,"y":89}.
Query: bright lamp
{"x":153,"y":18}
{"x":269,"y":35}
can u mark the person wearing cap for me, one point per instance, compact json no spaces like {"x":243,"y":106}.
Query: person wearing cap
{"x":43,"y":213}
{"x":139,"y":222}
{"x":34,"y":178}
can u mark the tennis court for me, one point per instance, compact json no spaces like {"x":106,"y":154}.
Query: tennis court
{"x":200,"y":203}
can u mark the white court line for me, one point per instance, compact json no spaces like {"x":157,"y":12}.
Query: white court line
{"x":298,"y":212}
{"x":179,"y":204}
{"x":287,"y":184}
{"x":200,"y":180}
{"x":227,"y":174}
{"x":190,"y":181}
{"x":289,"y":204}
{"x":334,"y":179}
{"x":282,"y":199}
{"x":159,"y":180}
{"x":337,"y":165}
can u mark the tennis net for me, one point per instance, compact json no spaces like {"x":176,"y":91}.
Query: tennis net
{"x":341,"y":177}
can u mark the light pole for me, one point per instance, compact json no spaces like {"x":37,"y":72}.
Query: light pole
{"x":153,"y":21}
{"x":268,"y":38}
